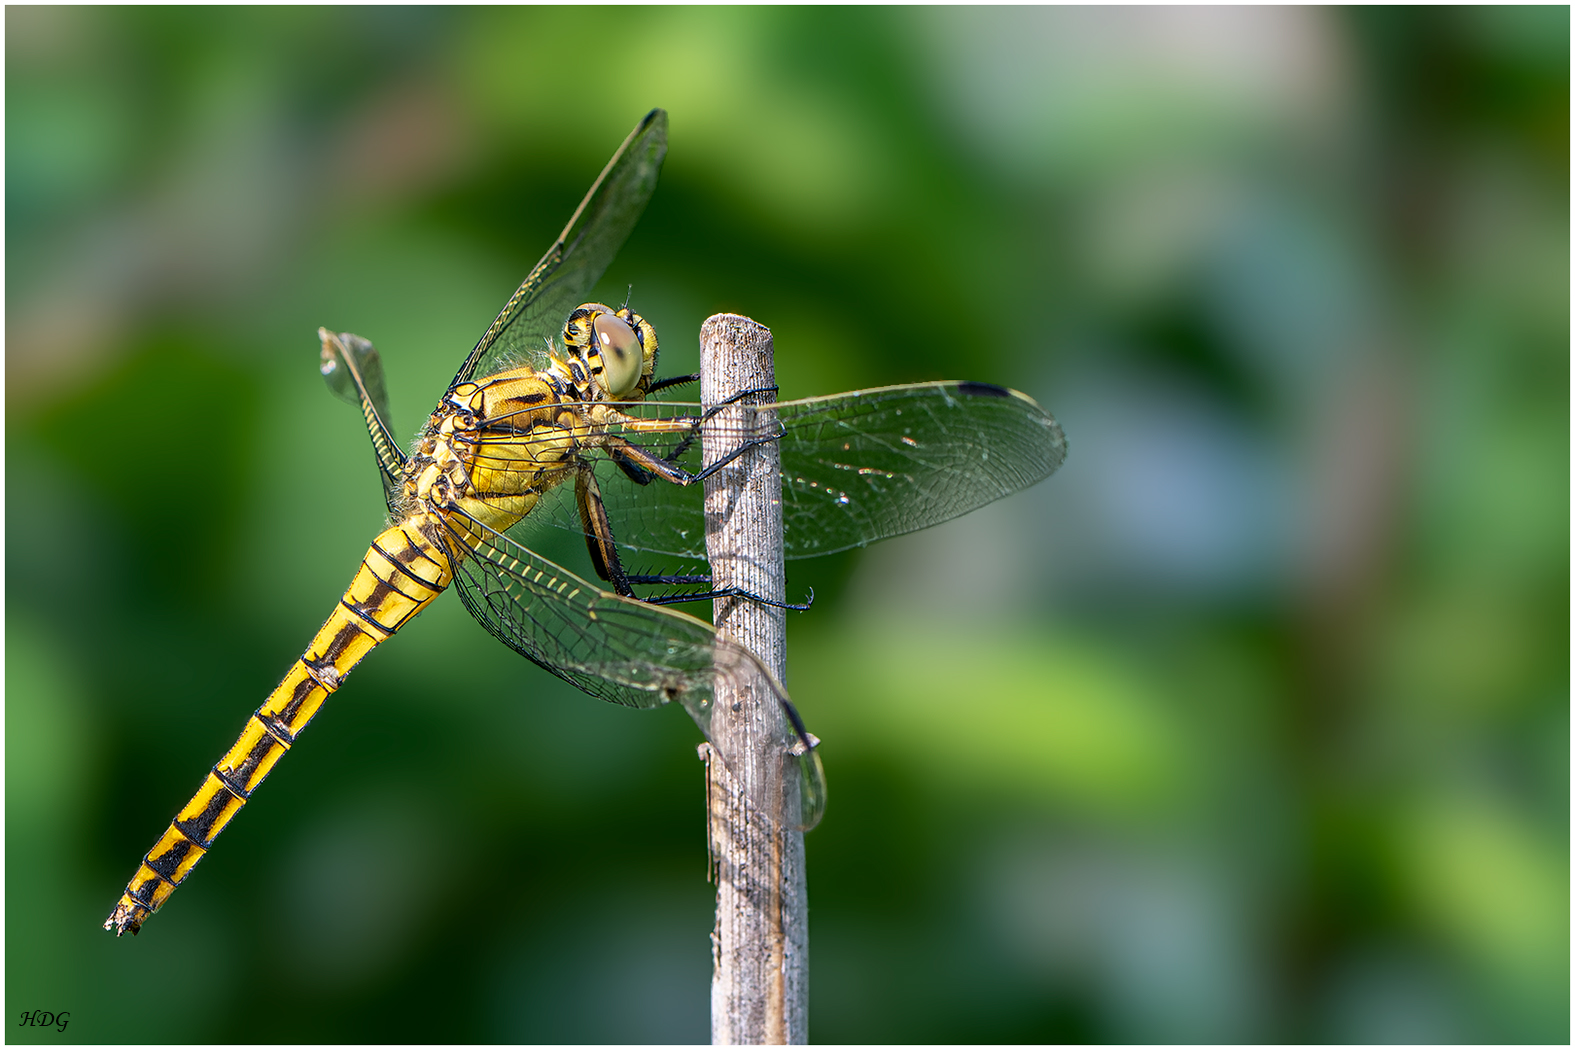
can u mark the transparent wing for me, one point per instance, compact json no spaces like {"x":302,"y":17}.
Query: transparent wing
{"x":353,"y":370}
{"x":856,"y":467}
{"x":625,"y":651}
{"x":869,"y":465}
{"x":577,"y":259}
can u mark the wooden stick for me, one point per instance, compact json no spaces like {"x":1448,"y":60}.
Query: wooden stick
{"x":759,"y":992}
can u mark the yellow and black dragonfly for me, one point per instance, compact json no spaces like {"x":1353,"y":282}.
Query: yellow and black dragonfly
{"x":551,"y":420}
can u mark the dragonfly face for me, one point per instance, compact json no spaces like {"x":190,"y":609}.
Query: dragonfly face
{"x":558,"y":390}
{"x":619,"y":349}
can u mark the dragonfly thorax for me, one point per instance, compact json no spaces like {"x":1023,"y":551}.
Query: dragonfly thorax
{"x":493,"y":447}
{"x":435,"y":473}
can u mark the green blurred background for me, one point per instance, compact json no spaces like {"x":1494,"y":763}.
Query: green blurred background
{"x":1251,"y":724}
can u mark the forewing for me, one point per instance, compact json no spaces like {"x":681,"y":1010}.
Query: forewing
{"x":625,"y":651}
{"x":879,"y":463}
{"x":856,"y":467}
{"x":577,"y":259}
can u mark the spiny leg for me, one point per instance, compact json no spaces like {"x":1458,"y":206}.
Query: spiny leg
{"x":603,"y":548}
{"x":663,"y":384}
{"x":721,"y":592}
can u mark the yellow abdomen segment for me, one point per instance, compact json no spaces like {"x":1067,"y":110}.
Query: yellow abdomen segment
{"x":402,"y":571}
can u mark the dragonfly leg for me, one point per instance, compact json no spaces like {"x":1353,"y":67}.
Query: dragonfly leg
{"x":769,"y":391}
{"x":630,"y":464}
{"x":663,"y":384}
{"x":609,"y":566}
{"x":598,"y":531}
{"x":754,"y":442}
{"x":641,"y":465}
{"x":714,"y":592}
{"x":604,"y":556}
{"x":683,"y":446}
{"x":628,"y":454}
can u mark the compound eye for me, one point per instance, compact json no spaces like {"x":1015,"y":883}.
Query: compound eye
{"x":623,"y":358}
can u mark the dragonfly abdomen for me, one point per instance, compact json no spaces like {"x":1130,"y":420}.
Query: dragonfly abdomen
{"x":402,"y":571}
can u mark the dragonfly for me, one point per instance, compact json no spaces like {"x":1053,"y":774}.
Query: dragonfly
{"x":556,"y":420}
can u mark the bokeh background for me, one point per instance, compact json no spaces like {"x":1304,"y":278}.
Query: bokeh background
{"x":1250,"y":724}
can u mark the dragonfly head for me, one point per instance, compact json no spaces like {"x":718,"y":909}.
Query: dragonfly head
{"x":618,"y":348}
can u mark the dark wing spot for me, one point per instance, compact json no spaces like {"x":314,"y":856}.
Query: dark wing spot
{"x":983,"y":389}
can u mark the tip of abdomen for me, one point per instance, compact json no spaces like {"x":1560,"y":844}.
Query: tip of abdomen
{"x":127,"y":917}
